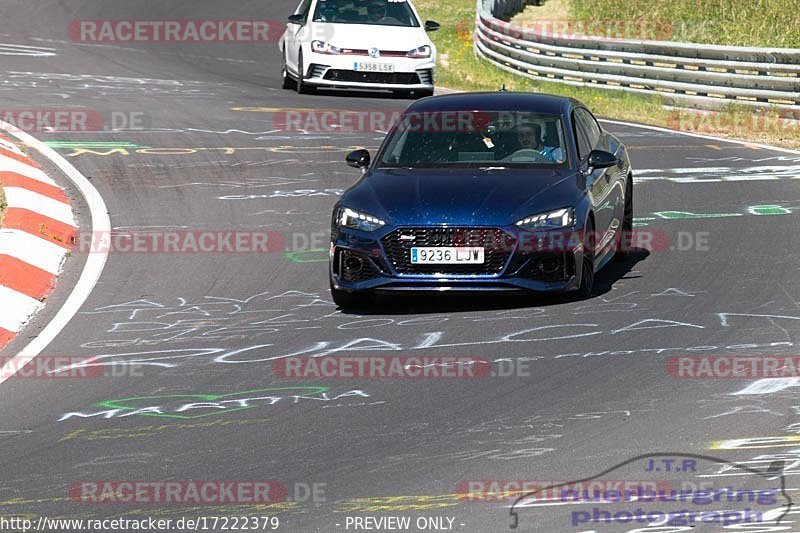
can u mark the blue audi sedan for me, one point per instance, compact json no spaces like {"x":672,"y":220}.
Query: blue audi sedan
{"x":483,"y":192}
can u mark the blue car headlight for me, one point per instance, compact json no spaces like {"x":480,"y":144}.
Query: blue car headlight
{"x":558,"y":219}
{"x":349,"y":218}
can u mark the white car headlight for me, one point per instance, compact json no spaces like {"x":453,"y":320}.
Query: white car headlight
{"x":420,"y":53}
{"x":321,"y":47}
{"x":560,"y":218}
{"x":349,"y":218}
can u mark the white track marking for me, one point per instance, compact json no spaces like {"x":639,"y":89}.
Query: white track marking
{"x":38,"y":203}
{"x":92,"y":269}
{"x":768,"y":386}
{"x":41,"y":253}
{"x":716,"y":170}
{"x":719,"y":174}
{"x":701,"y":136}
{"x":16,"y":309}
{"x":7,"y":49}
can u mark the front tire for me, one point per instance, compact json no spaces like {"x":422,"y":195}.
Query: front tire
{"x":586,"y":287}
{"x":301,"y":86}
{"x":286,"y":81}
{"x":348,"y":300}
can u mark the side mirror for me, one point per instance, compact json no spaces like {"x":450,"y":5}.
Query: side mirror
{"x":358,"y":159}
{"x":601,"y":159}
{"x":431,"y":25}
{"x":298,"y":18}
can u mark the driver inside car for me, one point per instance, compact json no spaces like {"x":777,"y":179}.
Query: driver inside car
{"x":530,"y":138}
{"x":376,"y":12}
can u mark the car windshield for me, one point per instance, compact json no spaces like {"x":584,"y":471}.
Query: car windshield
{"x":378,"y":12}
{"x":475,"y":139}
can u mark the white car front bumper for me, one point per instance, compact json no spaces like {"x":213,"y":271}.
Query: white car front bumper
{"x":340,"y":71}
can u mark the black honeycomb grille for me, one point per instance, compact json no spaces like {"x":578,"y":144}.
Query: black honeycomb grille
{"x":498,"y":246}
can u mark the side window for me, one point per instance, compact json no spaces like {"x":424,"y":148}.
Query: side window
{"x":303,"y":8}
{"x":581,"y":139}
{"x":590,"y":126}
{"x":595,"y":125}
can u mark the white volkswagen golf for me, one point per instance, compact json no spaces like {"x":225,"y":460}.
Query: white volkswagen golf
{"x":361,"y":44}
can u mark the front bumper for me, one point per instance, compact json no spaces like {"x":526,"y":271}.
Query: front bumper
{"x":529,"y":263}
{"x":339,"y":71}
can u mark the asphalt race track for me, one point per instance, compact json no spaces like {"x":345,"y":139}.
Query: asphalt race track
{"x":591,"y":388}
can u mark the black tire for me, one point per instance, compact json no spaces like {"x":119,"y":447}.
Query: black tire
{"x":300,"y":84}
{"x":625,"y":241}
{"x":586,"y":287}
{"x":286,"y":81}
{"x":348,"y":300}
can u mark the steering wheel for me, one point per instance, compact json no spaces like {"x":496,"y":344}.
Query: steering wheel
{"x":526,"y":155}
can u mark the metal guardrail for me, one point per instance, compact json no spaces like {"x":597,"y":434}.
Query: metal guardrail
{"x":685,"y":73}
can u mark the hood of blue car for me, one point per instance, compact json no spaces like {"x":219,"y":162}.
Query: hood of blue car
{"x":462,"y":196}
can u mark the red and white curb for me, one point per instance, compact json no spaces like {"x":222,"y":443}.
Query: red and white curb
{"x":37,"y":233}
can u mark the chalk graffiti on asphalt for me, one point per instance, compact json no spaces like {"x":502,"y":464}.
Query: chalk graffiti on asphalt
{"x":193,"y":406}
{"x":300,"y":193}
{"x":156,"y":430}
{"x":149,"y":322}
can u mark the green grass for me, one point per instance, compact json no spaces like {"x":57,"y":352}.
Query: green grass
{"x":458,"y":68}
{"x":3,"y":205}
{"x":772,"y":23}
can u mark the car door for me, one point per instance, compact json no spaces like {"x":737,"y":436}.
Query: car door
{"x":294,"y":35}
{"x":617,"y":175}
{"x":600,"y":181}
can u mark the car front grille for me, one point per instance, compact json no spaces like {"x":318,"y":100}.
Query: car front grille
{"x":396,"y":78}
{"x":498,"y":246}
{"x":381,"y":53}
